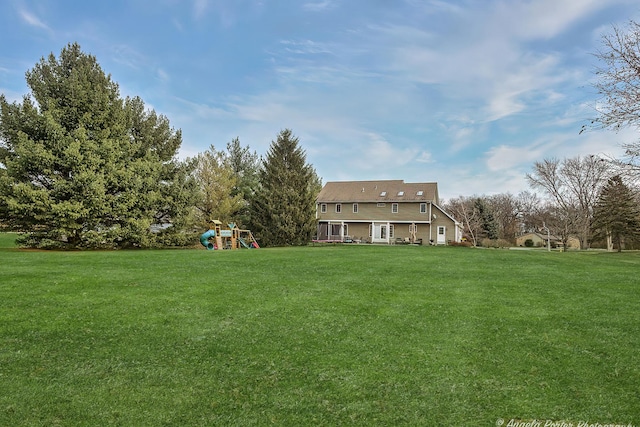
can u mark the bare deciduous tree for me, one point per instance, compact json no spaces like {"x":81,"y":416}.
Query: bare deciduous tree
{"x":572,"y":185}
{"x":619,"y":84}
{"x":530,"y":208}
{"x":463,"y":209}
{"x":506,"y":213}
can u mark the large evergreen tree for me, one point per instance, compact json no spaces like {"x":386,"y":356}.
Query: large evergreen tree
{"x":617,"y":214}
{"x":85,"y":168}
{"x":489,"y":226}
{"x":284,"y":203}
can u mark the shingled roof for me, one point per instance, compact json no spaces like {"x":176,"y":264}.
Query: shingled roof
{"x":378,"y":191}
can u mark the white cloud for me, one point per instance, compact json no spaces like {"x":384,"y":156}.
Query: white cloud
{"x":424,"y":157}
{"x":505,"y":157}
{"x":319,"y":6}
{"x":541,"y":19}
{"x":32,"y":19}
{"x":305,"y":47}
{"x":559,"y":145}
{"x":200,"y":8}
{"x":163,"y":75}
{"x":129,"y":56}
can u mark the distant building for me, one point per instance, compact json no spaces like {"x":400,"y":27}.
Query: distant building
{"x":388,"y":211}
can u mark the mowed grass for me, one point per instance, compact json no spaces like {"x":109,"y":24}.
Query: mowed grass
{"x":340,"y":335}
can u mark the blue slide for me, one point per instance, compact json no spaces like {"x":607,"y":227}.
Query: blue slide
{"x":204,"y":239}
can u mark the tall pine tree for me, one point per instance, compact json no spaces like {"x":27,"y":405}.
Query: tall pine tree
{"x":85,"y":168}
{"x":284,"y":203}
{"x":616,"y":215}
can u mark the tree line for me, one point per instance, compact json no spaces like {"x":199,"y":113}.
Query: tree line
{"x":592,"y":198}
{"x":582,"y":197}
{"x":82,"y":167}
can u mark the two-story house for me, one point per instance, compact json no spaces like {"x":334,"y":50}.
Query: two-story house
{"x":389,"y":211}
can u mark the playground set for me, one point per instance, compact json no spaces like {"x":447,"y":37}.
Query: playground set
{"x":233,"y":238}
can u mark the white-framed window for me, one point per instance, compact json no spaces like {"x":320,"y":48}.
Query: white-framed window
{"x":394,"y":208}
{"x":413,"y":228}
{"x":420,"y":193}
{"x":323,"y":208}
{"x":383,"y":193}
{"x":423,"y":208}
{"x":400,"y":193}
{"x":381,"y":205}
{"x":338,"y":207}
{"x":355,"y":208}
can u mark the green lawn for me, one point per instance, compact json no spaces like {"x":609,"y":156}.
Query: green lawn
{"x":339,"y":335}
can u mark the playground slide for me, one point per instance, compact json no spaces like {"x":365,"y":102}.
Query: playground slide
{"x":204,"y":239}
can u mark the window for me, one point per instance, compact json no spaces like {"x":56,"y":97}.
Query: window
{"x":423,"y":208}
{"x":323,"y":208}
{"x":400,"y":193}
{"x":420,"y":193}
{"x":338,"y":207}
{"x":381,"y":205}
{"x":413,"y":228}
{"x":355,"y":208}
{"x":391,"y":231}
{"x":394,"y":208}
{"x":383,"y":194}
{"x":370,"y":229}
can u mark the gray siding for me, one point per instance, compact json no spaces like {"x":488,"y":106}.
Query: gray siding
{"x":371,"y":211}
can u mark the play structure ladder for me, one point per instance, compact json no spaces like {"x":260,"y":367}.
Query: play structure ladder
{"x":255,"y":242}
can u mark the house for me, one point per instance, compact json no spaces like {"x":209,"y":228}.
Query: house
{"x":388,"y":211}
{"x":540,"y":240}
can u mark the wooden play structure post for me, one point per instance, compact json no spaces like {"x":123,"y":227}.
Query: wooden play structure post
{"x":217,"y":225}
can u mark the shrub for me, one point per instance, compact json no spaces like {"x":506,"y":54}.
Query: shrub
{"x":462,"y":244}
{"x":528,"y":243}
{"x":496,"y":243}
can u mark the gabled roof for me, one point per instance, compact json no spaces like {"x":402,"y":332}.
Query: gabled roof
{"x":542,"y":236}
{"x":378,"y":191}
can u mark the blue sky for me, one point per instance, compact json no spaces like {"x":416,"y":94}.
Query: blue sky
{"x":465,"y":93}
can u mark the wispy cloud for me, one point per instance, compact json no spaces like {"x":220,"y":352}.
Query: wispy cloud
{"x":200,"y":8}
{"x":31,"y":19}
{"x":305,"y":47}
{"x":545,"y":19}
{"x":319,"y":6}
{"x":163,"y":75}
{"x":129,"y":56}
